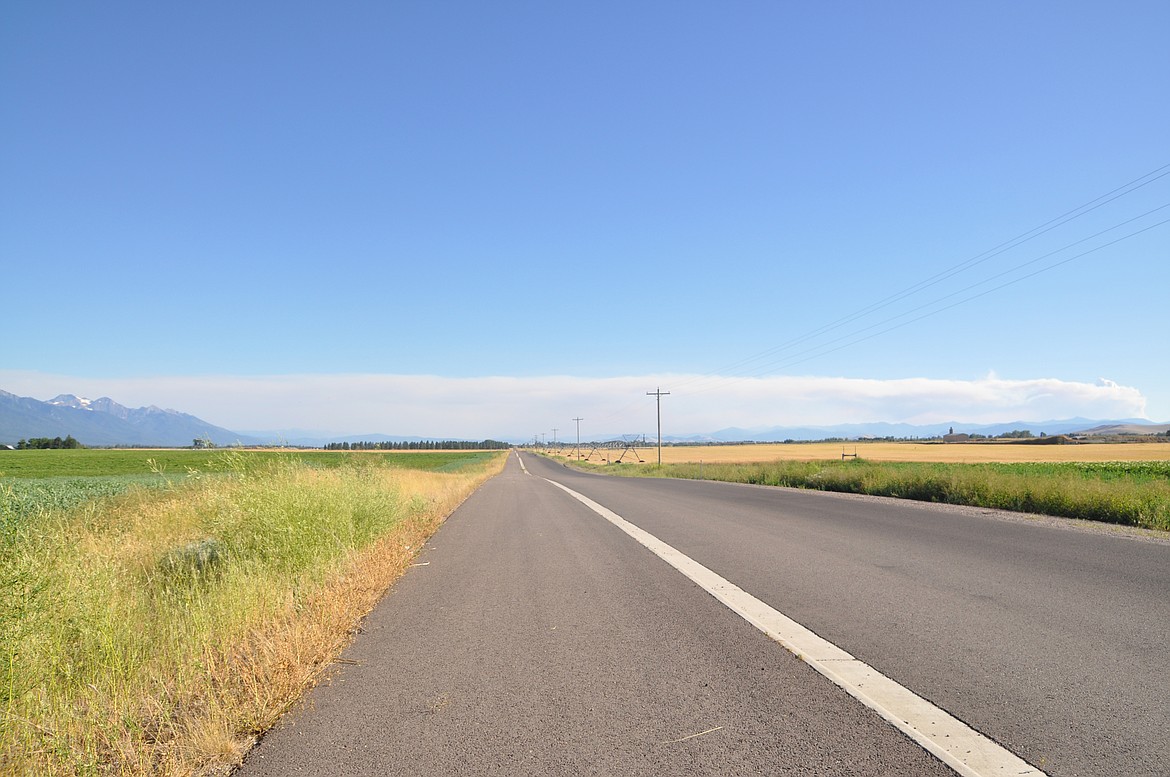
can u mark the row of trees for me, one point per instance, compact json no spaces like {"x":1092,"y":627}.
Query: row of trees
{"x":420,"y":445}
{"x":44,"y":443}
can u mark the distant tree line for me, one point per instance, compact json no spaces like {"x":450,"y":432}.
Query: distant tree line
{"x":420,"y":445}
{"x":45,"y":443}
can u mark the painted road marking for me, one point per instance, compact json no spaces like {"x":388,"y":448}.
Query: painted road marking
{"x":951,"y":740}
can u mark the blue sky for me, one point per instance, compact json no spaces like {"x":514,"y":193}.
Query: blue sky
{"x":492,"y":218}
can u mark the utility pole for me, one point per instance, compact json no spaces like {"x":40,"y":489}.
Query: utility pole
{"x":658,"y":395}
{"x":554,"y":437}
{"x":578,"y":420}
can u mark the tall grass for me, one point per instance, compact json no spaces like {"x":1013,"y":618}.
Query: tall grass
{"x":159,"y":632}
{"x":1126,"y":493}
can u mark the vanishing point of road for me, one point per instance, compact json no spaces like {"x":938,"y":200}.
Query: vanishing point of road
{"x":534,"y":636}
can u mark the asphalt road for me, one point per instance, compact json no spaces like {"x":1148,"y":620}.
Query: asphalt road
{"x":540,"y":639}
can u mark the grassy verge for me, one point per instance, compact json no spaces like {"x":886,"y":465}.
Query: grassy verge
{"x":157,"y":631}
{"x":1126,"y":493}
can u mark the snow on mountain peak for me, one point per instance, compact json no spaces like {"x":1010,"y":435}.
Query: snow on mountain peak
{"x":70,"y":400}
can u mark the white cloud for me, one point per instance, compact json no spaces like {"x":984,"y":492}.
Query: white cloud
{"x":519,"y":407}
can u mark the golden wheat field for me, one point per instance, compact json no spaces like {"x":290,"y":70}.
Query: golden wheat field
{"x":968,"y":452}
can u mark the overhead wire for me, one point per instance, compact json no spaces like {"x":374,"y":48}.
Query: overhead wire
{"x":719,"y":377}
{"x":816,"y":352}
{"x":933,"y":280}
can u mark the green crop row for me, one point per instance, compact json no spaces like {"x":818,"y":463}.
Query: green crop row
{"x":24,"y":500}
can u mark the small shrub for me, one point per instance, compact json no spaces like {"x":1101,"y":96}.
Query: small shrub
{"x":193,"y":562}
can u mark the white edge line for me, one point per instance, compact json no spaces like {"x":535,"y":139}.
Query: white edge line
{"x":949,"y":739}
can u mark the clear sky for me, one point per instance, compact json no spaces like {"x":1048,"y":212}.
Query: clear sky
{"x":486,"y":219}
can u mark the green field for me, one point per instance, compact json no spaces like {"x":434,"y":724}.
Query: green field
{"x":175,"y":461}
{"x":37,"y":480}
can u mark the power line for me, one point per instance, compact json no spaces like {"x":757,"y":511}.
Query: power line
{"x":717,"y":380}
{"x":815,"y":352}
{"x":1066,"y":217}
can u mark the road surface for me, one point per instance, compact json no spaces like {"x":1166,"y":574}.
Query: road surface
{"x":538,"y":638}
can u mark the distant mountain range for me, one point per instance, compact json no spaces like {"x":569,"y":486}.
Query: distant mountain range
{"x":103,"y":422}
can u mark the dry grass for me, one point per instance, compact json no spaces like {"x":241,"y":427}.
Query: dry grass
{"x":118,"y":666}
{"x":972,"y":453}
{"x":1133,"y":492}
